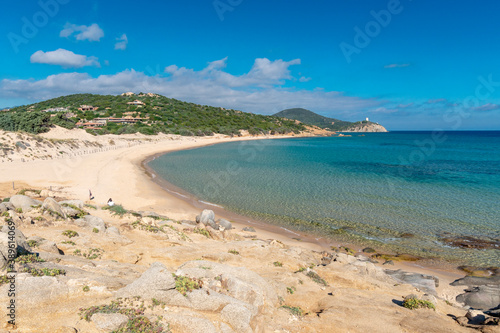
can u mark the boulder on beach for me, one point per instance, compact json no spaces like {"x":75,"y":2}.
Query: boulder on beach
{"x":53,"y":206}
{"x":153,"y":283}
{"x":481,"y":297}
{"x":426,"y":283}
{"x":24,"y":202}
{"x":225,"y":224}
{"x":20,"y":240}
{"x":91,"y":222}
{"x":206,"y":216}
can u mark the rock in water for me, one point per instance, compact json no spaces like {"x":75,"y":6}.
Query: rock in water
{"x":206,"y":216}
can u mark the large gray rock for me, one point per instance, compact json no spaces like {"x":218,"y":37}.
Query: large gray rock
{"x":202,"y":300}
{"x":238,"y":317}
{"x":109,"y":321}
{"x":32,"y":290}
{"x":9,"y":206}
{"x":24,"y":202}
{"x":76,"y":203}
{"x":481,"y":297}
{"x":70,"y":212}
{"x":225,"y":224}
{"x":212,"y":224}
{"x":91,"y":222}
{"x":240,"y":282}
{"x":153,"y":283}
{"x":53,"y":206}
{"x":206,"y":216}
{"x":426,"y":283}
{"x":4,"y":250}
{"x":48,"y":246}
{"x":20,"y":240}
{"x":477,"y":281}
{"x":113,"y":231}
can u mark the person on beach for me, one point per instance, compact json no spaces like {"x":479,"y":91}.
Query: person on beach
{"x":110,"y":202}
{"x":91,"y":197}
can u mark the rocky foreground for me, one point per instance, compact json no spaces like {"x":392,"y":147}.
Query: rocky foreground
{"x":82,"y":268}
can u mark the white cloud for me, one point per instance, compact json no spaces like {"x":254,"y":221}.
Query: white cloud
{"x":91,"y":33}
{"x":64,"y":58}
{"x":304,"y":79}
{"x":122,"y":42}
{"x":259,"y":91}
{"x":487,"y":107}
{"x":396,"y":65}
{"x":264,"y":73}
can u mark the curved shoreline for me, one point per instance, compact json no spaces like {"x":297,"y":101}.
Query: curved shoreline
{"x":442,"y":268}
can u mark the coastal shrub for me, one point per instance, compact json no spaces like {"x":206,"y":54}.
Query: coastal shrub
{"x":70,"y":233}
{"x":184,"y":284}
{"x":295,"y":310}
{"x":5,"y":214}
{"x":233,"y":252}
{"x":19,"y":210}
{"x":69,"y":242}
{"x":316,"y":278}
{"x":24,"y":190}
{"x":91,"y":254}
{"x":116,"y":209}
{"x":91,"y":206}
{"x":28,"y":258}
{"x":278,"y":264}
{"x":4,"y":279}
{"x":86,"y":288}
{"x":95,"y":230}
{"x":415,"y":303}
{"x":202,"y":231}
{"x":32,"y":243}
{"x":6,"y":200}
{"x":44,"y":271}
{"x":290,"y":290}
{"x":146,"y":227}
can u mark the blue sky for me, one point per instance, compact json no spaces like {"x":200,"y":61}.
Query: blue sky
{"x":405,"y":64}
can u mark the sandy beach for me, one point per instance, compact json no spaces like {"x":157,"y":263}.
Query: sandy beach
{"x":121,"y":174}
{"x":118,"y":172}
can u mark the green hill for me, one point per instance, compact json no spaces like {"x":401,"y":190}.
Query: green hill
{"x":311,"y":118}
{"x":157,"y":114}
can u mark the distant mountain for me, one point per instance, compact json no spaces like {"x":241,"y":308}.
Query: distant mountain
{"x":310,"y":118}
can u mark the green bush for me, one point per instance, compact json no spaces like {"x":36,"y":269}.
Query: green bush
{"x":70,"y":233}
{"x":184,"y":284}
{"x":415,"y":303}
{"x":116,"y":209}
{"x":295,"y":310}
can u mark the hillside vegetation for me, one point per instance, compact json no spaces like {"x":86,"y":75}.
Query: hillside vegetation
{"x":157,"y":114}
{"x":311,"y":118}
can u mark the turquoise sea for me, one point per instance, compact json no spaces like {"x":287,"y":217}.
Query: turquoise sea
{"x":400,"y":191}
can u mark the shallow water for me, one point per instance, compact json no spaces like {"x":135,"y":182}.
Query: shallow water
{"x":370,"y":188}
